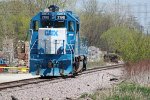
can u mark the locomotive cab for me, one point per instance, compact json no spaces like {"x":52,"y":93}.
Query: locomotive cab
{"x":54,"y":43}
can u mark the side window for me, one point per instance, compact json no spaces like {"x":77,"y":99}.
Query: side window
{"x":35,"y":25}
{"x":71,"y":26}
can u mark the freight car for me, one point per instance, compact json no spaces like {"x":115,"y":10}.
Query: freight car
{"x":56,"y":48}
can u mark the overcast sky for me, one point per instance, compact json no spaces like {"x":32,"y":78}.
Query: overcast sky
{"x":138,"y":8}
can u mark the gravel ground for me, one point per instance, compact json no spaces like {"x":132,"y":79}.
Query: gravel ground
{"x":14,"y":77}
{"x":69,"y":88}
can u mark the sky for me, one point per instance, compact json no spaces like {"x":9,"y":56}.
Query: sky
{"x":138,"y":8}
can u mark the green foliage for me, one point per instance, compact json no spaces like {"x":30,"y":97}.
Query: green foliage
{"x":14,"y":19}
{"x":91,"y":96}
{"x":130,"y":91}
{"x":84,"y":95}
{"x":93,"y":22}
{"x":15,"y":15}
{"x":124,"y":91}
{"x":132,"y":45}
{"x":119,"y":97}
{"x":93,"y":26}
{"x":131,"y":87}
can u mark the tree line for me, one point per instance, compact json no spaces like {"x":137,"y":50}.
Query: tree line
{"x":103,"y":25}
{"x":15,"y":16}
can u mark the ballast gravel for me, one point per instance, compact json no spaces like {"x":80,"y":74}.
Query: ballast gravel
{"x":65,"y":89}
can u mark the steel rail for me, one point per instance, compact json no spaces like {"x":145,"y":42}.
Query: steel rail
{"x":20,"y":83}
{"x":96,"y":69}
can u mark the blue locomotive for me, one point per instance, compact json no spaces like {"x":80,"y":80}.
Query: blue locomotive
{"x":56,"y":48}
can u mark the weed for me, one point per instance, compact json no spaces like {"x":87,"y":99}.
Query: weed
{"x":124,"y":91}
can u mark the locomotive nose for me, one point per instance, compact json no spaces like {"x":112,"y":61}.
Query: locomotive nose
{"x":52,"y":40}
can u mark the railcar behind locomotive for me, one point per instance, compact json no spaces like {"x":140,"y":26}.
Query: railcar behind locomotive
{"x":56,"y":47}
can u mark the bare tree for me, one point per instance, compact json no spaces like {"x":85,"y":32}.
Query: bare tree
{"x":93,"y":21}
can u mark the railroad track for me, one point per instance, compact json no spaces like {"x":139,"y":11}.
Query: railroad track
{"x":102,"y":68}
{"x":37,"y":80}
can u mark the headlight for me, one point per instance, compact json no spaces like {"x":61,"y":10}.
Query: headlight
{"x":50,"y":64}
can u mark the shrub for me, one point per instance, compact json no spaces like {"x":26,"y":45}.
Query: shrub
{"x":132,"y":45}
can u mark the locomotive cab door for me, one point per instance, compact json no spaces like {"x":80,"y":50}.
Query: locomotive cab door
{"x":71,"y":32}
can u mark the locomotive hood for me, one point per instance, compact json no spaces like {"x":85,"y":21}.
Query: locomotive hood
{"x":52,"y":40}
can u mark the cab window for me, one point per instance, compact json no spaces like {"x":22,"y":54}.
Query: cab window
{"x":71,"y":26}
{"x":46,"y":23}
{"x":35,"y":25}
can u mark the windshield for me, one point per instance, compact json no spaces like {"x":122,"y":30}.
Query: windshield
{"x":59,"y":24}
{"x":54,"y":24}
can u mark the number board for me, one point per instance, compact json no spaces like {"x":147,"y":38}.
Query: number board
{"x":45,"y":17}
{"x":60,"y":17}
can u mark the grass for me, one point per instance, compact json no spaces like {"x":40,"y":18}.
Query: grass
{"x":134,"y":68}
{"x":137,"y":72}
{"x":124,"y":91}
{"x":130,"y":91}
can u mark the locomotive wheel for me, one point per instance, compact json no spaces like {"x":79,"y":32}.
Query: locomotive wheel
{"x":75,"y":68}
{"x":76,"y":64}
{"x":84,"y":64}
{"x":79,"y":65}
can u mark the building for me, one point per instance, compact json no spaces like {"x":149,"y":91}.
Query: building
{"x":8,"y":50}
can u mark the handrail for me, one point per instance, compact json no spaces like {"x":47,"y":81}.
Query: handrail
{"x":71,"y":53}
{"x":33,"y":45}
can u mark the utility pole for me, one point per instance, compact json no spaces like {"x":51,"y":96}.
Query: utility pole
{"x":115,"y":13}
{"x":139,"y":16}
{"x":118,"y":10}
{"x":139,"y":10}
{"x":118,"y":7}
{"x":145,"y":21}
